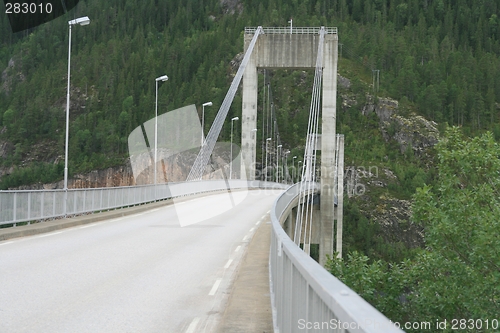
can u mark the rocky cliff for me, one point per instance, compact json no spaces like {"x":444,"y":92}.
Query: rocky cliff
{"x":140,"y":170}
{"x":370,"y":187}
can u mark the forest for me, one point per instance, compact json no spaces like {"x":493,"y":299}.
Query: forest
{"x":438,"y":58}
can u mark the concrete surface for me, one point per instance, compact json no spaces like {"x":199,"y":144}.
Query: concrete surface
{"x":134,"y":273}
{"x":249,"y":306}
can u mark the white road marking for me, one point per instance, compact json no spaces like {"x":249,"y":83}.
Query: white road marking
{"x":228,"y":263}
{"x":252,"y":229}
{"x":13,"y":242}
{"x":245,"y":238}
{"x":192,"y":326}
{"x":214,"y":288}
{"x":258,"y":222}
{"x":237,"y":248}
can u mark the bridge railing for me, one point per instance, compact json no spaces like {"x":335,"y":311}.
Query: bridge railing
{"x":307,"y":298}
{"x":294,"y":30}
{"x":25,"y":206}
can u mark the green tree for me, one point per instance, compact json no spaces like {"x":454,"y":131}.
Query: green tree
{"x":8,"y":118}
{"x":458,"y":273}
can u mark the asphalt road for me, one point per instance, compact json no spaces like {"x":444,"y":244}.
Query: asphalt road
{"x":157,"y":271}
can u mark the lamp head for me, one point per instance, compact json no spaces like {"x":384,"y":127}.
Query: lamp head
{"x":81,"y":21}
{"x":235,"y":118}
{"x":162,"y":78}
{"x":207,"y":104}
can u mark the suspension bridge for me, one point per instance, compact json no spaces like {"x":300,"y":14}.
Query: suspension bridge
{"x":303,"y":295}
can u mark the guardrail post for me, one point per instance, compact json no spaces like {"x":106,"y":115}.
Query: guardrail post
{"x":29,"y":206}
{"x":53,"y":203}
{"x":65,"y":202}
{"x":15,"y":208}
{"x":42,"y":203}
{"x":84,"y":200}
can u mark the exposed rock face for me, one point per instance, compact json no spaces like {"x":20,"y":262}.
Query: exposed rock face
{"x":384,"y":108}
{"x":9,"y":75}
{"x":393,"y":215}
{"x":236,"y":62}
{"x":170,"y":168}
{"x":343,"y":82}
{"x":415,"y":132}
{"x":6,"y":149}
{"x":231,"y":6}
{"x":110,"y":177}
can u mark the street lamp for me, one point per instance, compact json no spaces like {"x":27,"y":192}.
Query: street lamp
{"x":267,"y":141}
{"x":231,"y":161}
{"x":278,"y":163}
{"x":286,"y":166}
{"x":81,"y":21}
{"x":162,"y":78}
{"x":294,"y":171}
{"x":300,"y":170}
{"x":203,"y":119}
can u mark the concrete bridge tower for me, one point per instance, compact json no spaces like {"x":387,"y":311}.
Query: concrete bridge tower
{"x":295,"y":49}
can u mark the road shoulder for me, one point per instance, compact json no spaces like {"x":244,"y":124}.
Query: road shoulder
{"x":249,"y":305}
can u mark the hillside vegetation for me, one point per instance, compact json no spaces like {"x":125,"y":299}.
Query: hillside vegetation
{"x":439,"y":56}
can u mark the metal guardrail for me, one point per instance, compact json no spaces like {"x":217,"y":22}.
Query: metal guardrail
{"x":307,"y":298}
{"x":296,"y":30}
{"x":26,"y":206}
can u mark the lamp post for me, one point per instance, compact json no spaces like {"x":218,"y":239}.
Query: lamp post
{"x":286,"y":166}
{"x":81,"y":21}
{"x":203,"y":120}
{"x":162,"y":78}
{"x":231,"y":161}
{"x":278,"y":163}
{"x":300,"y":170}
{"x":294,"y":171}
{"x":267,"y":141}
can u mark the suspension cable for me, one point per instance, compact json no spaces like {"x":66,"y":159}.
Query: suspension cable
{"x":206,"y":150}
{"x":308,"y":174}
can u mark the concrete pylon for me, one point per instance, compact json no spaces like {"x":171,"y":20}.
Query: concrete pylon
{"x":328,"y":122}
{"x":249,"y":114}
